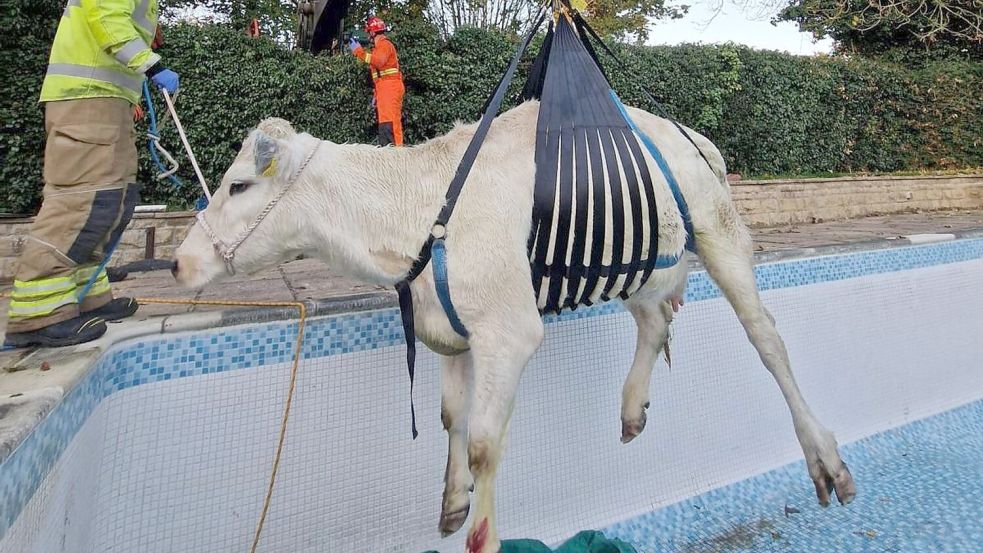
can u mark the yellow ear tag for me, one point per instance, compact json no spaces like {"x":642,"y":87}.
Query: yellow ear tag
{"x":270,"y":169}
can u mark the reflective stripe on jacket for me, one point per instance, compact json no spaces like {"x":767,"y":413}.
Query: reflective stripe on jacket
{"x":101,"y":49}
{"x":383,"y":61}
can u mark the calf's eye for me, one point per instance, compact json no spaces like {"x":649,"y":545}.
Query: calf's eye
{"x":237,"y":187}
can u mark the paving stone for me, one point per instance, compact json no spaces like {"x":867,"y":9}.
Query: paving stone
{"x":310,"y":279}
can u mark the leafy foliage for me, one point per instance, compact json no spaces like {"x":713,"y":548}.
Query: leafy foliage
{"x":628,"y":20}
{"x":769,"y":113}
{"x":25,"y":43}
{"x":872,"y":27}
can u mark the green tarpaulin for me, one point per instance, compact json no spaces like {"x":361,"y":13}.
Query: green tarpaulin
{"x":588,"y":541}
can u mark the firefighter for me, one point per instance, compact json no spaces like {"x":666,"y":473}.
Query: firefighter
{"x":384,"y":68}
{"x":98,"y":61}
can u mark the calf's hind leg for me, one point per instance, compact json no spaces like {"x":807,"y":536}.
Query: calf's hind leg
{"x":727,"y":256}
{"x":652,"y":315}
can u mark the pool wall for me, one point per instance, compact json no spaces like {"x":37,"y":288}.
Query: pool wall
{"x":166,"y":444}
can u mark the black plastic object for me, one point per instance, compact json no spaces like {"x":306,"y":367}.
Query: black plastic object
{"x":120,"y":272}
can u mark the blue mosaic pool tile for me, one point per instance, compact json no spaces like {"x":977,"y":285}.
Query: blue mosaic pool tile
{"x":813,"y":270}
{"x":165,"y":358}
{"x":922,"y":484}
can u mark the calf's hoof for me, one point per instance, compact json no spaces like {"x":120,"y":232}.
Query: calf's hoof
{"x":451,"y":522}
{"x":841,"y":484}
{"x":632,"y":427}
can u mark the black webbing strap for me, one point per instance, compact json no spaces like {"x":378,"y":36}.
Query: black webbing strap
{"x":590,"y":48}
{"x":597,"y":233}
{"x":533,"y":88}
{"x":579,"y":244}
{"x":450,"y":200}
{"x":544,"y":191}
{"x":635,"y":205}
{"x":582,"y":24}
{"x":406,"y":312}
{"x":653,"y":212}
{"x":617,"y":210}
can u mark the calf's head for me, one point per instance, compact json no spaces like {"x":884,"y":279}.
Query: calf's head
{"x":265,"y":164}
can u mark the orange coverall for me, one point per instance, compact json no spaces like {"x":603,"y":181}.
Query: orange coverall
{"x":384,"y":67}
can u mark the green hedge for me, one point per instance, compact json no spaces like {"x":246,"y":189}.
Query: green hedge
{"x":769,"y":113}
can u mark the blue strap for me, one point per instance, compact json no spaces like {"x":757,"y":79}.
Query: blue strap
{"x":439,"y":258}
{"x":666,"y":261}
{"x":152,"y":124}
{"x":202,"y":202}
{"x":666,"y":171}
{"x":102,"y":265}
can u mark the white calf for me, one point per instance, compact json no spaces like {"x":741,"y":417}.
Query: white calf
{"x":366,"y":211}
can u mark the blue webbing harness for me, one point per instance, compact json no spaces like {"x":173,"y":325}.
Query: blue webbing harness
{"x":660,"y":160}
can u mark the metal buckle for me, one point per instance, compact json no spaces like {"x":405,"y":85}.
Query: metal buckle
{"x":438,"y":231}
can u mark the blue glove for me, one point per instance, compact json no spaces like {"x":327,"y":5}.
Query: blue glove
{"x":166,"y":79}
{"x":373,"y":102}
{"x":352,"y":44}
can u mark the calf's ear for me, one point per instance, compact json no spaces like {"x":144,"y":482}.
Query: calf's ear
{"x":266,"y":150}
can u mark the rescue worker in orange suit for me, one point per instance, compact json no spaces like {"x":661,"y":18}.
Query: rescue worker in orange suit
{"x":384,"y":67}
{"x":99,"y":59}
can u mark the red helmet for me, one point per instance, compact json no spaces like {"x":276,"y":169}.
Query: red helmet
{"x":375,"y":25}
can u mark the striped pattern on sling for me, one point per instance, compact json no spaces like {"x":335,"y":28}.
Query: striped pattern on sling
{"x":595,"y":232}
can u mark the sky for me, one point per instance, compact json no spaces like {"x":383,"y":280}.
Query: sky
{"x":734,"y":25}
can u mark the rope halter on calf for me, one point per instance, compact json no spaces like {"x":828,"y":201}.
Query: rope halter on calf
{"x":228,"y":251}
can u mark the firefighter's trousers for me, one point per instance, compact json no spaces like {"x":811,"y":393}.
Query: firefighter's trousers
{"x":389,"y":107}
{"x":90,"y":190}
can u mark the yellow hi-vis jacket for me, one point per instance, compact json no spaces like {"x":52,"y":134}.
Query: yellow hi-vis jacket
{"x":101,"y":49}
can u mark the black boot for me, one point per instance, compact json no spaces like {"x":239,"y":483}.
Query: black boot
{"x":66,"y":333}
{"x":119,"y":308}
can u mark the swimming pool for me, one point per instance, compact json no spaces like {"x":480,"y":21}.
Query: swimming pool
{"x":165,"y":445}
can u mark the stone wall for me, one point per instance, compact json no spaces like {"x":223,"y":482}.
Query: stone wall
{"x":156,"y":234}
{"x":774,"y":203}
{"x":761,"y":203}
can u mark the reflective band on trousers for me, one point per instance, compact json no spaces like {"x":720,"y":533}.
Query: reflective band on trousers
{"x":101,"y":284}
{"x":84,"y":72}
{"x":130,"y":50}
{"x":39,"y":308}
{"x":83,"y":274}
{"x":71,"y":4}
{"x":43,"y":287}
{"x":99,"y":287}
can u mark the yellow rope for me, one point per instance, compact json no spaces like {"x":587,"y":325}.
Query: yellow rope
{"x":302,"y":309}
